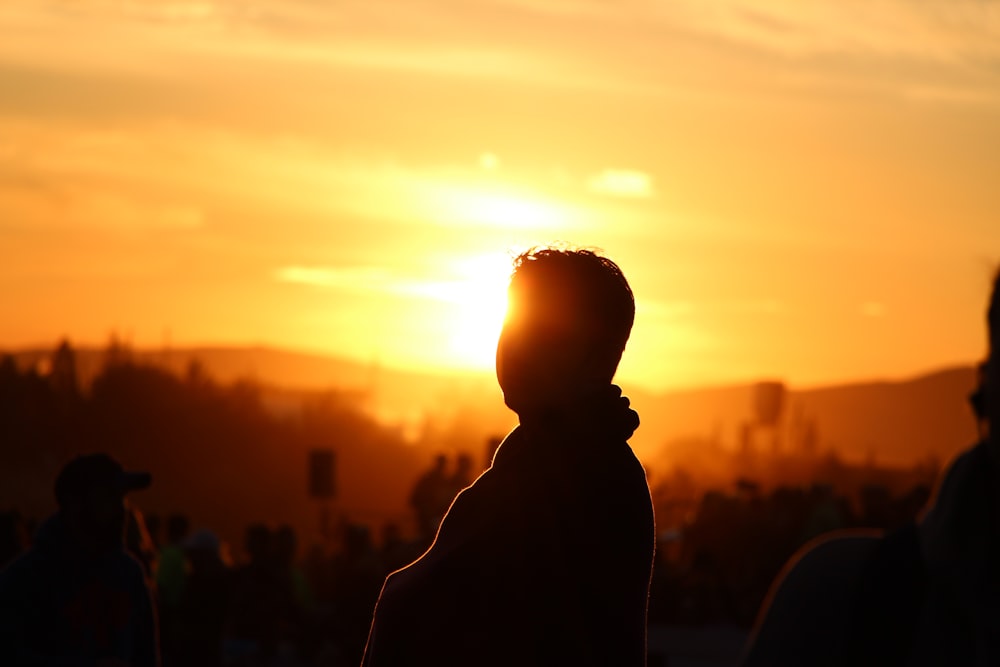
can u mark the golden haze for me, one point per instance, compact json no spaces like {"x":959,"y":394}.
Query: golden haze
{"x":793,"y":191}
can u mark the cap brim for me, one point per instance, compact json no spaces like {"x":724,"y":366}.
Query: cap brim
{"x":133,"y":481}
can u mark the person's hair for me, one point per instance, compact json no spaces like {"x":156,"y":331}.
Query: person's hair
{"x":595,"y":284}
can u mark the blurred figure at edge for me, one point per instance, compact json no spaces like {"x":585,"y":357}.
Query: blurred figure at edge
{"x":925,"y":594}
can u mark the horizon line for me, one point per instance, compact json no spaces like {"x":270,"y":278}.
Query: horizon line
{"x":471,"y":372}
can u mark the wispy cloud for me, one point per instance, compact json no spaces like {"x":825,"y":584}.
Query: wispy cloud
{"x":169,"y":175}
{"x":635,"y":48}
{"x":349,"y":278}
{"x":757,"y":306}
{"x":195,"y":39}
{"x":622,"y":183}
{"x":932,"y":29}
{"x":36,"y":207}
{"x":460,"y":281}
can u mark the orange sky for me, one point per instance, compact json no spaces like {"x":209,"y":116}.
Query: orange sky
{"x":807,"y":191}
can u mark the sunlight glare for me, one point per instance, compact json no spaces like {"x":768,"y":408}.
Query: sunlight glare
{"x":489,"y":161}
{"x":478,"y":300}
{"x":481,"y":310}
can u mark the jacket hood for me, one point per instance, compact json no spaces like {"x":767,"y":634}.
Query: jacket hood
{"x":599,"y":415}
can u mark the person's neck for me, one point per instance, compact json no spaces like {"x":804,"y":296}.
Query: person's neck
{"x":555,"y":410}
{"x":88,"y":546}
{"x":540,"y":417}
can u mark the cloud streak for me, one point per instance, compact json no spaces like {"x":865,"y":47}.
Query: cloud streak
{"x":947,"y":30}
{"x":935,"y":52}
{"x":175,"y":161}
{"x":629,"y":183}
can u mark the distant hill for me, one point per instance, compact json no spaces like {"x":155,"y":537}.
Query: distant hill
{"x":894,"y":422}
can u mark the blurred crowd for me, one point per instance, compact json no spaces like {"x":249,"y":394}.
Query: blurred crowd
{"x":275,"y":603}
{"x":717,"y":566}
{"x":274,"y":606}
{"x":268,"y":602}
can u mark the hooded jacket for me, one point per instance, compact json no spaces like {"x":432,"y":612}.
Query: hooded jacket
{"x":60,"y":609}
{"x":546,"y":559}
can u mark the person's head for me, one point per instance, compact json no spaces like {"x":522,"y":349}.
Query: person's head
{"x":258,"y":542}
{"x":569,"y":315}
{"x":178,"y":526}
{"x":992,"y":382}
{"x":90,"y":491}
{"x":203,"y":550}
{"x":357,"y":541}
{"x":285,"y":545}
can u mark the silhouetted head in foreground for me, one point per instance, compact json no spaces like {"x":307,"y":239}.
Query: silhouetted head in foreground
{"x":569,"y":316}
{"x":90,"y":491}
{"x":992,"y":383}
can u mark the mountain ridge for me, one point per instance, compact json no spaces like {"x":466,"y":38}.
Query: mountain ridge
{"x":896,"y":421}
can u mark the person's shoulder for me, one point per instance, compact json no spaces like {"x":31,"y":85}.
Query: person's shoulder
{"x":807,"y":613}
{"x":19,"y":570}
{"x":846,"y":549}
{"x":622,"y":466}
{"x":630,"y":461}
{"x":129,"y":567}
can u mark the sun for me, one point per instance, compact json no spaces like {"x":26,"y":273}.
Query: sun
{"x":473,"y":343}
{"x":476,"y":301}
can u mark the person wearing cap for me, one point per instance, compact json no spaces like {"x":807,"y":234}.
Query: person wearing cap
{"x":77,"y":598}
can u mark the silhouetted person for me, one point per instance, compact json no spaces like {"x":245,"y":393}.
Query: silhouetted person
{"x":258,"y":599}
{"x":927,"y":593}
{"x":204,"y":603}
{"x":13,"y":538}
{"x":430,"y":498}
{"x":153,"y":526}
{"x":294,"y":595}
{"x":358,"y":577}
{"x":171,"y":576}
{"x":139,"y":543}
{"x":394,"y":552}
{"x":76,"y":597}
{"x":172,"y":561}
{"x":461,"y":477}
{"x":546,"y":558}
{"x":977,"y":400}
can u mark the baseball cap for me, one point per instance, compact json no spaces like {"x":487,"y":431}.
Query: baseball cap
{"x":92,"y":471}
